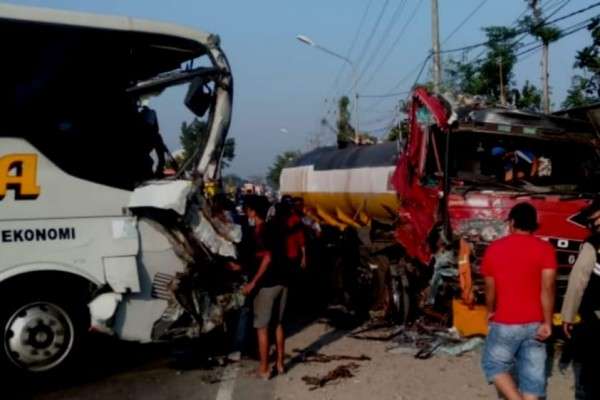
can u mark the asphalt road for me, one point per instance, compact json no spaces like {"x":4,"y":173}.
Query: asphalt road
{"x":148,"y":372}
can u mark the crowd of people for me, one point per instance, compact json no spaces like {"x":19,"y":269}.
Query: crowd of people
{"x":271,"y":254}
{"x":519,"y":271}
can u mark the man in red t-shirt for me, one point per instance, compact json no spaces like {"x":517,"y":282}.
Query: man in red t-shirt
{"x":520,"y":274}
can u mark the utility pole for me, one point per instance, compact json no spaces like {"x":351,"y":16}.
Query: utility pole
{"x":435,"y":38}
{"x":356,"y":130}
{"x":502,"y":94}
{"x":537,"y":17}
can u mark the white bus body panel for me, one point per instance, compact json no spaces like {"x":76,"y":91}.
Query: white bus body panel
{"x":72,"y":225}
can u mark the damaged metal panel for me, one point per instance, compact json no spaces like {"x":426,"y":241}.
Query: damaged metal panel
{"x":163,"y":195}
{"x":136,"y":315}
{"x":122,"y":274}
{"x":209,"y":164}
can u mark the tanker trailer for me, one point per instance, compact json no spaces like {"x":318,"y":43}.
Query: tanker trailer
{"x":349,"y":192}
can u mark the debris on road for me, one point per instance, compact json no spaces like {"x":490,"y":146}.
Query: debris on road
{"x":340,"y":372}
{"x":424,"y":342}
{"x":462,"y":348}
{"x":378,"y":338}
{"x":313,"y":356}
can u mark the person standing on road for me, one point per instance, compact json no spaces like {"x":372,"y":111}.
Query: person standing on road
{"x":269,"y":284}
{"x":520,"y":273}
{"x":583,"y":297}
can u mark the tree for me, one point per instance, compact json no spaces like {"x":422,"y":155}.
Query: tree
{"x":345,"y":131}
{"x":585,"y":87}
{"x":281,"y":161}
{"x":399,"y":131}
{"x":464,"y":77}
{"x":482,"y":77}
{"x":546,"y":34}
{"x":194,"y":135}
{"x":530,"y":97}
{"x":579,"y":94}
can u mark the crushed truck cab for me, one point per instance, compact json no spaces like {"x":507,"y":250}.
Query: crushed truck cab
{"x":93,"y":235}
{"x":421,"y":211}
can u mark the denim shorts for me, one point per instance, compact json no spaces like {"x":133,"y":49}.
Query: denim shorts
{"x":513,"y":349}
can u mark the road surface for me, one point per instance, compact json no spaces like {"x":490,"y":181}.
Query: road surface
{"x":141,"y":372}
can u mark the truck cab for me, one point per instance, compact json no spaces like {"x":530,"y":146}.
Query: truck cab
{"x":93,"y":235}
{"x":465,"y":167}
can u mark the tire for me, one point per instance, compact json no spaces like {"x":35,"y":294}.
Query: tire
{"x":400,"y":299}
{"x":41,"y":332}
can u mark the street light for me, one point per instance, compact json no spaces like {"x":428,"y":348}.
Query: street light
{"x":308,"y":41}
{"x":305,"y":40}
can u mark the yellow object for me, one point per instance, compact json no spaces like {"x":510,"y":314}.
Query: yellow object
{"x":345,"y":219}
{"x":464,"y":273}
{"x":557,"y":319}
{"x":210,"y":188}
{"x":360,"y":207}
{"x":469,"y":320}
{"x":19,"y":173}
{"x":328,"y":219}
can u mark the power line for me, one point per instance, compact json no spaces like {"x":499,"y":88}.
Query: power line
{"x":464,"y":21}
{"x":580,"y":11}
{"x":558,"y":8}
{"x":514,"y":23}
{"x":351,"y":48}
{"x":569,"y":30}
{"x":545,"y":22}
{"x":353,"y":42}
{"x":384,"y":95}
{"x":395,"y":43}
{"x":420,"y":68}
{"x":384,"y":36}
{"x":365,"y":48}
{"x":524,"y":31}
{"x":565,"y":32}
{"x":377,"y":120}
{"x":371,"y":35}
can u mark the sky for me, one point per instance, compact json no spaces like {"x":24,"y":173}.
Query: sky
{"x":283,"y":88}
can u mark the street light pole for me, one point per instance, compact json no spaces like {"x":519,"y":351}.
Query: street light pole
{"x":308,"y":41}
{"x":435,"y":38}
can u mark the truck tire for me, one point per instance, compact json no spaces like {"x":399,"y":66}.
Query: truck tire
{"x":41,"y":331}
{"x":400,"y":298}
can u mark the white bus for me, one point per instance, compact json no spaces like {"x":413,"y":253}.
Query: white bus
{"x":91,"y":235}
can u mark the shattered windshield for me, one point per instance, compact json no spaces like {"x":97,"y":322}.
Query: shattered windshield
{"x":82,"y":103}
{"x":522,"y":163}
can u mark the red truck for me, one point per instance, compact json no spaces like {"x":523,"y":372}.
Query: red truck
{"x":442,"y":193}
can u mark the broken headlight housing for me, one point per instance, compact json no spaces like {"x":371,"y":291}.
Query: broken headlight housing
{"x":482,"y":230}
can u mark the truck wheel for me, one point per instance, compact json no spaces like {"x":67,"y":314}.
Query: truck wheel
{"x":41,"y":332}
{"x":400,"y":298}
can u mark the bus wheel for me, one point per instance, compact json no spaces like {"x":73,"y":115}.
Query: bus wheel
{"x":41,"y":332}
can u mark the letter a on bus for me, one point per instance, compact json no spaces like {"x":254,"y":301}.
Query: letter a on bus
{"x":18,"y":172}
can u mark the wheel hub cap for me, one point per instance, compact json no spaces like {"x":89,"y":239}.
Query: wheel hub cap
{"x":38,"y":336}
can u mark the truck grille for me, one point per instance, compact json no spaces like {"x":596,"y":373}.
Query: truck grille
{"x":566,"y":253}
